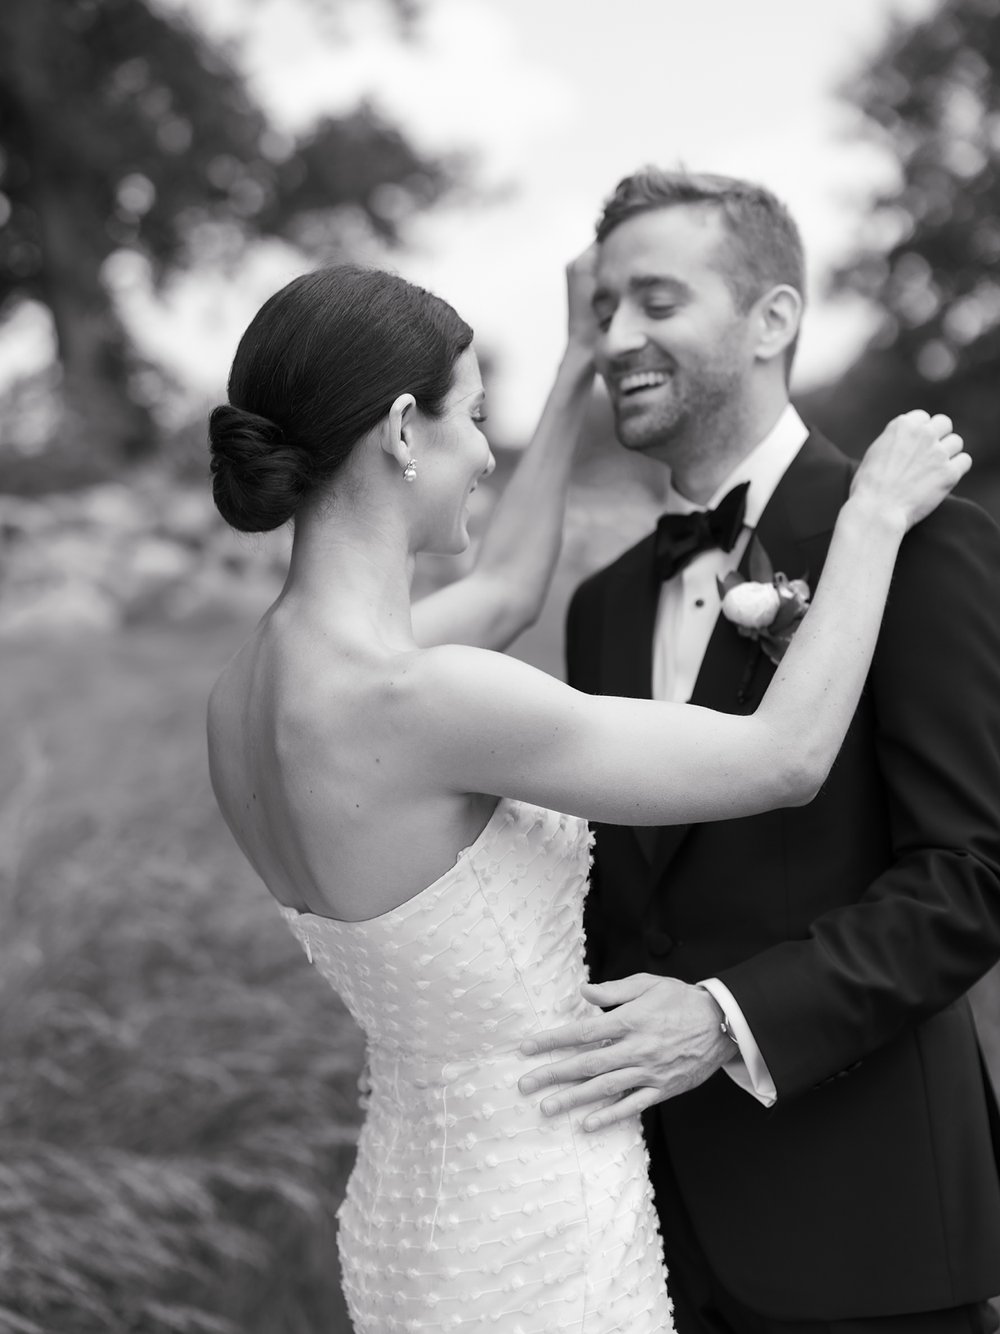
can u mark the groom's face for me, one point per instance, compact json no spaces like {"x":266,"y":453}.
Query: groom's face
{"x":674,"y":349}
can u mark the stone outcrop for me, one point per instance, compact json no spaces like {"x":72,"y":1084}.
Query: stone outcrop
{"x":114,"y":554}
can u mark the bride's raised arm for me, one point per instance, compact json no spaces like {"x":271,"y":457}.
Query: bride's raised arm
{"x":503,"y":593}
{"x":486,"y":723}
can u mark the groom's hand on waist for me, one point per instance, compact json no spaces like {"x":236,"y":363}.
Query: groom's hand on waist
{"x":662,"y":1037}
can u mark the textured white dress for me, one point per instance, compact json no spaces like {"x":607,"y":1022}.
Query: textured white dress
{"x":468,"y":1208}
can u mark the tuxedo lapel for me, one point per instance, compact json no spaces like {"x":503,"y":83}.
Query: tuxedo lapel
{"x":727,"y":661}
{"x":795,"y":530}
{"x":630,"y":615}
{"x":806,"y":501}
{"x":734,"y":672}
{"x":631,"y":601}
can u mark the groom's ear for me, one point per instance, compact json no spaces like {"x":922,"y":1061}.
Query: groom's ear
{"x":777,"y":316}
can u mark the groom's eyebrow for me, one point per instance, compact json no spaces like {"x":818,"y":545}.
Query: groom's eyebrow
{"x":642,"y":284}
{"x":660,"y":282}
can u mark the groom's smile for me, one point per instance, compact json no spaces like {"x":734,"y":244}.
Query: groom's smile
{"x":638,"y":382}
{"x":637,"y":388}
{"x":641,"y":395}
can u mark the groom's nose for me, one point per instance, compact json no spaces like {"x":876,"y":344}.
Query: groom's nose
{"x":623,"y":335}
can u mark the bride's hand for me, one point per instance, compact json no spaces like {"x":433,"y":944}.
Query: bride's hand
{"x":580,"y":282}
{"x":911,"y":467}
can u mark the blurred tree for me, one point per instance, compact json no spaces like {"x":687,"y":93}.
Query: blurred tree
{"x":929,"y":257}
{"x":123,"y":128}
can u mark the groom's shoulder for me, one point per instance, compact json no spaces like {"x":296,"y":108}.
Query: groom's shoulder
{"x":942,"y":613}
{"x":957,"y":517}
{"x":831,"y":461}
{"x":957,"y":520}
{"x":826,"y":459}
{"x":956,"y":538}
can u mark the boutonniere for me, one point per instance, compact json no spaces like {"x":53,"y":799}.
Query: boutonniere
{"x":768,"y":606}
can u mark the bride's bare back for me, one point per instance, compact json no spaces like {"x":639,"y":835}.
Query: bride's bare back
{"x":313,"y":774}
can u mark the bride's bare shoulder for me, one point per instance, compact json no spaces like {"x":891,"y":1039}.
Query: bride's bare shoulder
{"x":451,"y":685}
{"x":449,"y":668}
{"x":311,"y":696}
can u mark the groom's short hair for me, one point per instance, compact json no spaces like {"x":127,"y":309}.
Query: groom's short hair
{"x":765,"y":248}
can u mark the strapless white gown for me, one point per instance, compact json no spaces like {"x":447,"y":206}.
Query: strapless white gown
{"x":468,"y":1208}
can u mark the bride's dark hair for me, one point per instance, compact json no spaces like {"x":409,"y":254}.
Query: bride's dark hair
{"x":321,"y":364}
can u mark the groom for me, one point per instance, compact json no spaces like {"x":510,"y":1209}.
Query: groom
{"x":832,"y":1163}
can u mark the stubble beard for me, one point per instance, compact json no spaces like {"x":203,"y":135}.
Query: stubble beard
{"x":682,"y":418}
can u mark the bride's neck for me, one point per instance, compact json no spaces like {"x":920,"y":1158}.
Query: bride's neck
{"x":351,"y":566}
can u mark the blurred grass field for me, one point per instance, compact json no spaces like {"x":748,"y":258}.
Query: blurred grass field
{"x":178,"y":1103}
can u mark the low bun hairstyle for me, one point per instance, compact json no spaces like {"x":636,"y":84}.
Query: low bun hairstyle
{"x":320,"y":365}
{"x":257,"y":479}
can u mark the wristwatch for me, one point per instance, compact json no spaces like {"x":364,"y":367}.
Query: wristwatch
{"x":726,"y":1028}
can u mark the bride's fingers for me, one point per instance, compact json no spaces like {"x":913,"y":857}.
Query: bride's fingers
{"x":952,"y":444}
{"x":940,"y":424}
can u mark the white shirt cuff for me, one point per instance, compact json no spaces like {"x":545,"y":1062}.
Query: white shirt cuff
{"x":748,"y":1069}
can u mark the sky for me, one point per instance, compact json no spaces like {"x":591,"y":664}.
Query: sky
{"x":557,"y":100}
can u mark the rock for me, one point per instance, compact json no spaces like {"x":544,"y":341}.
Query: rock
{"x":215,"y":594}
{"x":191,"y":517}
{"x":75,"y":554}
{"x":157,"y":560}
{"x":21,"y":518}
{"x":151,"y":568}
{"x":111,"y":506}
{"x":66,"y":609}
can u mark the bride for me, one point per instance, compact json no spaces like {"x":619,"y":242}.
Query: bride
{"x":417,"y":803}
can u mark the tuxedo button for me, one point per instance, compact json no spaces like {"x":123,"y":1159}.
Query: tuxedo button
{"x":659,"y":943}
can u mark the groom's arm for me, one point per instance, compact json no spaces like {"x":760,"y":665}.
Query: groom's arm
{"x":929,"y":926}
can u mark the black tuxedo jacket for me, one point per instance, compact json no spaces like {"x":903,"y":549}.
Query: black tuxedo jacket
{"x":848,"y":931}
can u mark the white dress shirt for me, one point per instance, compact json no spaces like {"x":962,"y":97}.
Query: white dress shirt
{"x":685,"y":619}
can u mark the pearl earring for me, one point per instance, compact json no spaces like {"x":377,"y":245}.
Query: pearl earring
{"x":410,"y":471}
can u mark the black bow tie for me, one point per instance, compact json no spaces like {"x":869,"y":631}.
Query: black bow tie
{"x":680,"y":537}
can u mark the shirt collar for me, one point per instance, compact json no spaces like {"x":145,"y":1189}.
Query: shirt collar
{"x":763,"y":468}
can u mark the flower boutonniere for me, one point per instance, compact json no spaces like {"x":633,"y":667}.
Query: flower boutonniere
{"x":768,"y":606}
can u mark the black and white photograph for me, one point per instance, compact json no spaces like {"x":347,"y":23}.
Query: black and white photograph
{"x":500,"y":658}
